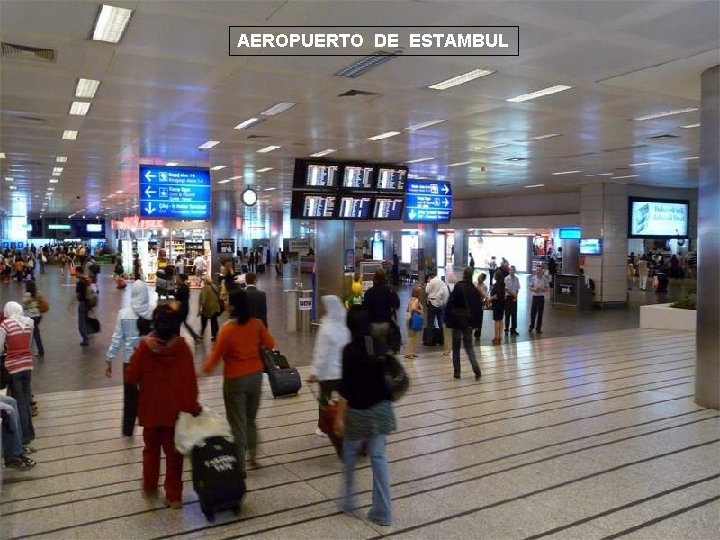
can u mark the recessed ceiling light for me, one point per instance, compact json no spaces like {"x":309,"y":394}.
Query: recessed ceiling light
{"x":268,"y":149}
{"x":110,"y":24}
{"x":461,"y":79}
{"x":364,"y":65}
{"x":57,"y":170}
{"x":2,"y":155}
{"x":385,"y":135}
{"x":689,"y":158}
{"x":420,"y":160}
{"x":605,"y":174}
{"x":539,"y":93}
{"x":423,"y":125}
{"x":54,"y":180}
{"x":8,"y":178}
{"x":217,"y":167}
{"x":236,"y":177}
{"x":61,"y":159}
{"x":278,"y":108}
{"x":665,"y":113}
{"x":69,"y":135}
{"x":248,"y":123}
{"x":565,"y":172}
{"x":79,"y":108}
{"x":324,"y":152}
{"x":119,"y":191}
{"x":488,"y":147}
{"x":171,"y":164}
{"x":460,"y":163}
{"x":208,"y":144}
{"x":12,"y":187}
{"x":264,"y":169}
{"x":689,"y":126}
{"x":546,"y":136}
{"x":225,"y":181}
{"x":643,"y":163}
{"x":626,"y":176}
{"x":535,"y":185}
{"x":86,"y":88}
{"x":51,"y":189}
{"x":270,"y":189}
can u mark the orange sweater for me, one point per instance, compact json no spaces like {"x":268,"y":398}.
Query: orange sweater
{"x":239,"y":347}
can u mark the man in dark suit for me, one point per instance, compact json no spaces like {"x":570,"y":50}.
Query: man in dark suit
{"x":257,"y":301}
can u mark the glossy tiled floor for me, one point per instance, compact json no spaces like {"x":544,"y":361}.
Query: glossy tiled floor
{"x":584,"y":436}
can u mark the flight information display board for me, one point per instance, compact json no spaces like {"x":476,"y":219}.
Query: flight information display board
{"x":312,"y":205}
{"x":357,"y":177}
{"x":391,"y":179}
{"x":428,"y":202}
{"x":354,"y":207}
{"x":324,"y":176}
{"x":174,"y":192}
{"x":388,"y":208}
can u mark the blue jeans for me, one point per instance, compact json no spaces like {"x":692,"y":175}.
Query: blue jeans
{"x":466,"y":334}
{"x":11,"y":432}
{"x":381,"y":510}
{"x":20,"y":389}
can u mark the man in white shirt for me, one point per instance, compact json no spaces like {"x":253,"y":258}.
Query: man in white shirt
{"x":539,"y":285}
{"x":199,"y":264}
{"x":512,"y":288}
{"x":437,"y":296}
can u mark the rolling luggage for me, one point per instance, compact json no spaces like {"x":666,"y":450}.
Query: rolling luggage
{"x":216,"y":476}
{"x":432,"y":336}
{"x":284,"y":380}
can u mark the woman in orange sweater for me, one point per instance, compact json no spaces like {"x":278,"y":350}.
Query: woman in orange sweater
{"x":238,"y":345}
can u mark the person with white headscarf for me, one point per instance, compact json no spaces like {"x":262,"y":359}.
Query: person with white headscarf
{"x":16,"y":333}
{"x":329,"y":344}
{"x":133,"y":322}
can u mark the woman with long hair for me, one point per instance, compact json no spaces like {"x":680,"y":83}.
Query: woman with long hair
{"x":31,"y":304}
{"x":414,"y":306}
{"x":238,"y":345}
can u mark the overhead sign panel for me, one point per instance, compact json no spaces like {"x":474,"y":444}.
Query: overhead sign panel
{"x":174,"y":192}
{"x":428,"y":202}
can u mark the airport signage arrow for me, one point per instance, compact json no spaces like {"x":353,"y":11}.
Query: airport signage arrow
{"x":428,"y":201}
{"x":181,"y":193}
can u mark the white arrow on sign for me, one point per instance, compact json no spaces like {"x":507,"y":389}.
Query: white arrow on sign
{"x":149,"y":176}
{"x":412,"y":214}
{"x":446,"y":203}
{"x":445,"y":189}
{"x":149,"y":208}
{"x":149,"y":191}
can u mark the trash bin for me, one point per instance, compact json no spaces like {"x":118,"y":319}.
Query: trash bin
{"x":298,"y":309}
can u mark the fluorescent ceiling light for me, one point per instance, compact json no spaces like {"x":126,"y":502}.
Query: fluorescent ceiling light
{"x":364,"y":65}
{"x":423,"y":125}
{"x":12,"y":187}
{"x":270,"y":189}
{"x":565,"y":172}
{"x":689,"y":158}
{"x":208,"y":144}
{"x":79,"y":108}
{"x":217,"y":167}
{"x":544,"y":92}
{"x":69,"y":135}
{"x":278,"y":108}
{"x":8,"y":178}
{"x":460,"y":163}
{"x":268,"y":149}
{"x":420,"y":160}
{"x":535,"y":185}
{"x":171,"y":164}
{"x":496,"y":145}
{"x":236,"y":177}
{"x":264,"y":169}
{"x":61,"y":159}
{"x":86,"y":88}
{"x":51,"y":189}
{"x":461,"y":79}
{"x":664,"y":114}
{"x":385,"y":135}
{"x":2,"y":155}
{"x":110,"y":24}
{"x":626,"y":176}
{"x":689,"y":126}
{"x":643,"y":163}
{"x":324,"y":152}
{"x":546,"y":136}
{"x":248,"y":123}
{"x":119,"y":191}
{"x":54,"y":180}
{"x":225,"y":181}
{"x":57,"y":170}
{"x":605,"y":174}
{"x":56,"y":174}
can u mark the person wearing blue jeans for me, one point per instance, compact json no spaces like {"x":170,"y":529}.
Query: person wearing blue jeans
{"x":12,"y":439}
{"x":466,"y":336}
{"x":365,"y":413}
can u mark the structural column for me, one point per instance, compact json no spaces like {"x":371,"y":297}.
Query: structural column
{"x":461,"y":257}
{"x":603,"y":214}
{"x":707,"y":370}
{"x":333,"y":238}
{"x":427,"y":243}
{"x":222,"y":219}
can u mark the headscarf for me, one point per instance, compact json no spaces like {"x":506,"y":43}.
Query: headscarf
{"x":140,"y":299}
{"x":14,"y":311}
{"x":334,"y":319}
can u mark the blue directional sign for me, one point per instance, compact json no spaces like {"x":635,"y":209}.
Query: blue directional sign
{"x":427,"y":202}
{"x":174,"y":192}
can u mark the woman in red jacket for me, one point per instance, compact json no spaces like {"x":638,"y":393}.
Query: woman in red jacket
{"x":162,"y":365}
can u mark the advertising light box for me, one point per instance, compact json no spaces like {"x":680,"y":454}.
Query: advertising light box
{"x":657,"y":218}
{"x":590,"y":246}
{"x":428,"y":202}
{"x":174,"y":192}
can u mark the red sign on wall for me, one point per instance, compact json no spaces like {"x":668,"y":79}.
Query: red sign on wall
{"x":582,"y":260}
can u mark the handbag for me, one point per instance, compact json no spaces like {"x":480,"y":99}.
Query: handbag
{"x":416,"y":321}
{"x":43,"y":306}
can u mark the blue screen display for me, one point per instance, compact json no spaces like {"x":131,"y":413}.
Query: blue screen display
{"x":174,"y":192}
{"x":591,"y":246}
{"x":427,"y":201}
{"x":570,"y":234}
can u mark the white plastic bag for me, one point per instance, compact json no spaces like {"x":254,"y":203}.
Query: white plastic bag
{"x":190,"y":430}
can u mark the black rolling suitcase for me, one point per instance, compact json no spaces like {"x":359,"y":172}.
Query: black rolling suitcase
{"x":216,"y":476}
{"x":284,"y":380}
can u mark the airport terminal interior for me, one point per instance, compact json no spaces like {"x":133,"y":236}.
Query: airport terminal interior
{"x":591,"y":154}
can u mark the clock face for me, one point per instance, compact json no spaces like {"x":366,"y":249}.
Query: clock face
{"x":249,"y":197}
